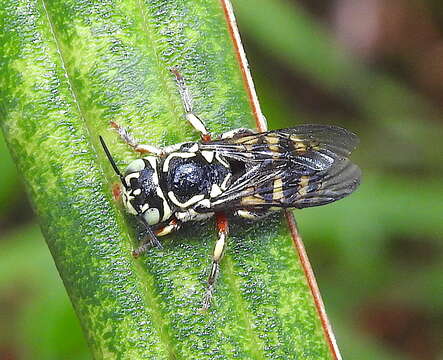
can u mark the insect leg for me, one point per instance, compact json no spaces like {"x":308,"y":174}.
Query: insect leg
{"x":237,"y":133}
{"x":191,"y":215}
{"x":251,"y":214}
{"x":128,"y":139}
{"x":173,"y":225}
{"x":151,"y":239}
{"x":220,"y":246}
{"x":195,"y":121}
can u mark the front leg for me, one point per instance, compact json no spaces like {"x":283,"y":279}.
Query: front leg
{"x":143,"y":148}
{"x":128,"y":139}
{"x":151,"y":239}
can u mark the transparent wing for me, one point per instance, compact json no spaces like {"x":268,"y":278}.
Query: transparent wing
{"x":297,"y":167}
{"x":288,"y":144}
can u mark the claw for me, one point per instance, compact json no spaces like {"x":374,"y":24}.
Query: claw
{"x":207,"y":298}
{"x":141,"y":250}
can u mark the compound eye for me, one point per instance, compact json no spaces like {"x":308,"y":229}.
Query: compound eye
{"x":135,"y":166}
{"x":152,"y":216}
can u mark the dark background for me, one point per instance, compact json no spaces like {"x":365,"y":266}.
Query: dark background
{"x":373,"y":66}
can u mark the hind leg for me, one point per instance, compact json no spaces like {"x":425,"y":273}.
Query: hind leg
{"x":253,"y":214}
{"x":217,"y":255}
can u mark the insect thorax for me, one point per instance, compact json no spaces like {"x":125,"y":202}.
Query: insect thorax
{"x":157,"y":188}
{"x":194,"y":177}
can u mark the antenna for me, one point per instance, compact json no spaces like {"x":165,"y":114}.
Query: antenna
{"x":111,"y":160}
{"x":146,"y":245}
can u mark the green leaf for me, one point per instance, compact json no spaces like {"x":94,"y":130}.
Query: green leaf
{"x":68,"y":69}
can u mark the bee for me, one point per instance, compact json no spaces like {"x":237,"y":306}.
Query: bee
{"x":241,"y":173}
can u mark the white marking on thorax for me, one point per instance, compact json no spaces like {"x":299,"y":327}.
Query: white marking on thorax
{"x":170,"y":156}
{"x":205,"y":203}
{"x":224,"y":184}
{"x":191,"y":201}
{"x":215,"y":191}
{"x":208,"y":155}
{"x":222,"y":161}
{"x":193,"y":148}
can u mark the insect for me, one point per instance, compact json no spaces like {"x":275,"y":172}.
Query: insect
{"x":241,"y":172}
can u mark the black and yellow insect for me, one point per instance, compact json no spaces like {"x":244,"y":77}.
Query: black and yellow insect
{"x":243,"y":173}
